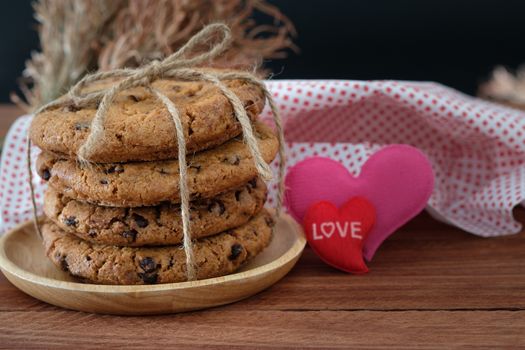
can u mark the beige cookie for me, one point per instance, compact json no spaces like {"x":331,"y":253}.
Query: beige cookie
{"x":138,"y":126}
{"x":160,"y":225}
{"x":210,"y":173}
{"x":214,"y":256}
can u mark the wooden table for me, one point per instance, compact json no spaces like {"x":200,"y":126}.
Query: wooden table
{"x":430,"y":286}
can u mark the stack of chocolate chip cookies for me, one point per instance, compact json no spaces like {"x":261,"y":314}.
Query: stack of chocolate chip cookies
{"x":117,"y":220}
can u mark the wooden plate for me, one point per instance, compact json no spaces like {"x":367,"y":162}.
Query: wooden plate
{"x":23,"y":262}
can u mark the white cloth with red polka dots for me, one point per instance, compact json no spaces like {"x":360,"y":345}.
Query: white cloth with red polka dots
{"x":477,"y":148}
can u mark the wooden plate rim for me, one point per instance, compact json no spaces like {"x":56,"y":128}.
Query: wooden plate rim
{"x":6,"y":265}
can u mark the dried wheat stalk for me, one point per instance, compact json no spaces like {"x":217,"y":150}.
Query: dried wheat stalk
{"x":67,"y":31}
{"x":505,"y":87}
{"x":150,"y":29}
{"x":81,"y":36}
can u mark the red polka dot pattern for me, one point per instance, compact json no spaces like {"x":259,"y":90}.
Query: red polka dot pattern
{"x":14,"y":188}
{"x":477,"y":148}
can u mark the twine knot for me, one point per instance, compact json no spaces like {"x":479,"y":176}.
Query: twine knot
{"x":154,"y":71}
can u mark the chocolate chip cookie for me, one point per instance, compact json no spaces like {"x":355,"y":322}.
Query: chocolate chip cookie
{"x":138,"y":126}
{"x":214,"y":256}
{"x":211,"y":172}
{"x":160,"y":225}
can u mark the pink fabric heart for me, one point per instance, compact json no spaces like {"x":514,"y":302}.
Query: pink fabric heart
{"x":397,"y":180}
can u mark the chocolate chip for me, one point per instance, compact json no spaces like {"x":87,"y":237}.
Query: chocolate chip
{"x":251,"y":185}
{"x":233,"y":159}
{"x":115,"y":169}
{"x":71,"y":107}
{"x":157,"y":215}
{"x":81,"y":126}
{"x":269,"y":221}
{"x":193,"y":91}
{"x":62,"y":259}
{"x":196,"y":197}
{"x":236,"y":250}
{"x":104,"y":182}
{"x":130,"y":235}
{"x":88,"y":258}
{"x":148,"y":264}
{"x":92,"y":233}
{"x":64,"y":264}
{"x":197,"y":167}
{"x":149,"y":278}
{"x":216,"y":207}
{"x":71,"y":221}
{"x":238,"y":195}
{"x":46,"y":175}
{"x":133,"y":98}
{"x":140,"y":220}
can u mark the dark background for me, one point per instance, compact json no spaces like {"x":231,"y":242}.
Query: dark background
{"x":456,"y":43}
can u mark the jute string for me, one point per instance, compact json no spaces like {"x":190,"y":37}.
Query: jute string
{"x":176,"y":66}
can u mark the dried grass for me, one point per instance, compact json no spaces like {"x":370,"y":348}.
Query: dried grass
{"x":67,"y":31}
{"x":88,"y":35}
{"x":505,"y":87}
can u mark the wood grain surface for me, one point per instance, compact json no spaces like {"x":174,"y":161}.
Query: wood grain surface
{"x":430,"y":286}
{"x":24,"y":263}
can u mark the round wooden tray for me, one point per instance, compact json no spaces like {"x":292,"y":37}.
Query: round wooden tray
{"x":23,"y":262}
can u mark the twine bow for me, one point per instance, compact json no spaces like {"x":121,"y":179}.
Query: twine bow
{"x":175,"y":66}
